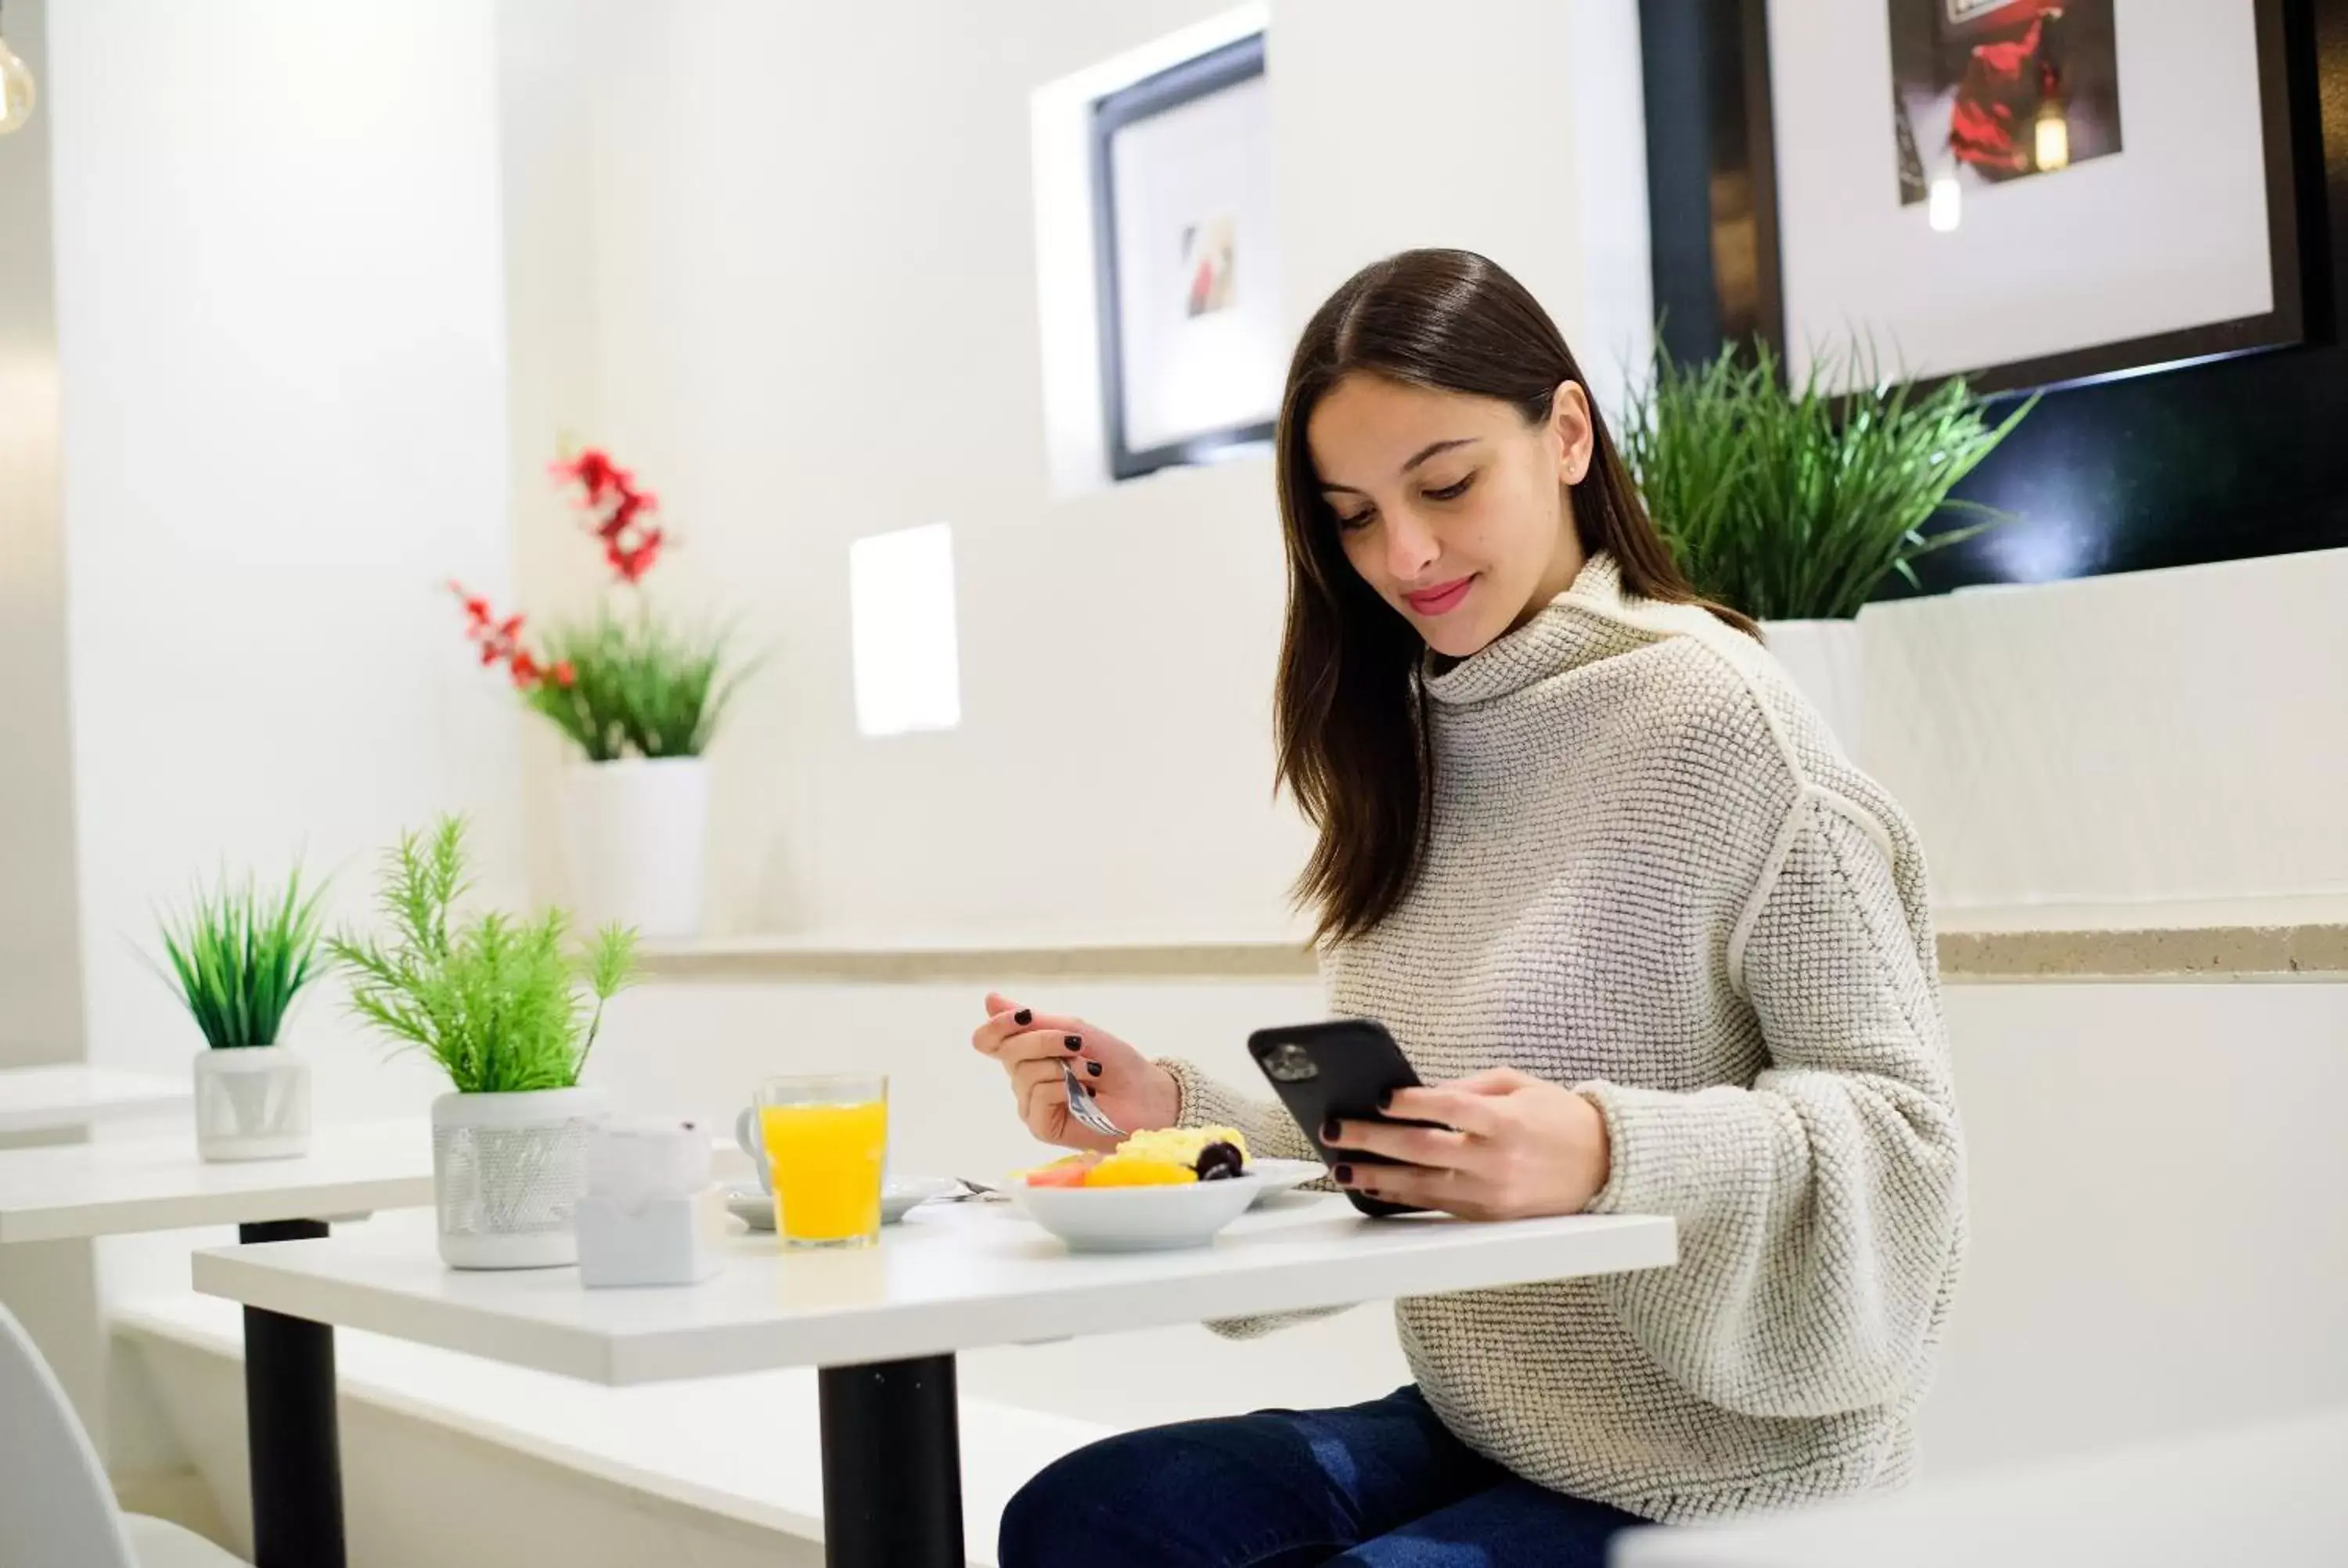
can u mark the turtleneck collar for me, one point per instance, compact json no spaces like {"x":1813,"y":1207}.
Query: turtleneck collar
{"x":1565,"y":635}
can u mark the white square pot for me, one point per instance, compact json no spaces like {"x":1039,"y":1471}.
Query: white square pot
{"x":252,"y":1102}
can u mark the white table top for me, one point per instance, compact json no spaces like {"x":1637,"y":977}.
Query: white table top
{"x":2268,"y":1495}
{"x":951,"y":1278}
{"x":114,"y":1187}
{"x":74,"y":1094}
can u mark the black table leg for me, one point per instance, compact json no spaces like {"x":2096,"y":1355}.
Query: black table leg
{"x":892,"y":1465}
{"x":292,"y":1443}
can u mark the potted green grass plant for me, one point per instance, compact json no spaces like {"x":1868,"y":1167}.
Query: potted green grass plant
{"x":639,"y":696}
{"x":238,"y":957}
{"x":1794,"y":503}
{"x":509,"y":1008}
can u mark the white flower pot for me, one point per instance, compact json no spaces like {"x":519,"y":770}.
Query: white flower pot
{"x":508,"y":1172}
{"x":638,"y":832}
{"x":1824,"y":658}
{"x":252,"y":1102}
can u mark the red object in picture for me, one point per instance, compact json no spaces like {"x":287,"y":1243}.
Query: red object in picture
{"x":1988,"y":92}
{"x":1206,"y":266}
{"x":1972,"y":21}
{"x":1996,"y":99}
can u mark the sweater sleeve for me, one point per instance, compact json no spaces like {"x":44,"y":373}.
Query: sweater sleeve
{"x":1272,"y":1133}
{"x":1822,"y":1208}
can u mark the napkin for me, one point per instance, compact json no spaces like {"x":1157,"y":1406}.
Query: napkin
{"x":636,"y":1163}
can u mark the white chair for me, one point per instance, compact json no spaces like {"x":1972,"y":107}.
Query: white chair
{"x":56,"y":1510}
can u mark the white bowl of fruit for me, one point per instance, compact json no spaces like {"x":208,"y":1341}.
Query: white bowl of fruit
{"x":1172,"y":1188}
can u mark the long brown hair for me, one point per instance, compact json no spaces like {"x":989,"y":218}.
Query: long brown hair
{"x":1350,"y":717}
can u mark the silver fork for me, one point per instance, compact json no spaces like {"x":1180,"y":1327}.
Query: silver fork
{"x":1083,"y":1107}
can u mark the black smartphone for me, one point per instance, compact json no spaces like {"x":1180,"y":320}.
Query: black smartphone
{"x":1342,"y":1071}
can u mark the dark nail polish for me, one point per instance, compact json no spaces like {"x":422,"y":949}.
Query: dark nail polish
{"x":1024,"y":1016}
{"x":1075,"y":1042}
{"x":1344,"y":1173}
{"x":1385,"y":1100}
{"x":1094,"y":1068}
{"x":1329,"y":1131}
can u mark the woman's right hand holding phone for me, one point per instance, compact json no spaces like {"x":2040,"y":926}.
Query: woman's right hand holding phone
{"x":1135,"y":1092}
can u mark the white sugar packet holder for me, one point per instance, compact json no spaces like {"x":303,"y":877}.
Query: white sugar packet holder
{"x":651,"y":1215}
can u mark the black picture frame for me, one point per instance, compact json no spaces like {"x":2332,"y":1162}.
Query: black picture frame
{"x":2215,"y":460}
{"x":1169,"y":89}
{"x":1719,"y":51}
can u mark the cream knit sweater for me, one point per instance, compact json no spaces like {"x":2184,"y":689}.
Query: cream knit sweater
{"x":1654,"y":876}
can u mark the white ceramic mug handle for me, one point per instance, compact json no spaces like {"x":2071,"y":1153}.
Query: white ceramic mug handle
{"x":745,"y":1132}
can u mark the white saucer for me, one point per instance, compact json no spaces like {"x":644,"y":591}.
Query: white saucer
{"x":898,"y":1196}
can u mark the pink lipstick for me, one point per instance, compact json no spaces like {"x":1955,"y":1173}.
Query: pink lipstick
{"x":1441,"y":599}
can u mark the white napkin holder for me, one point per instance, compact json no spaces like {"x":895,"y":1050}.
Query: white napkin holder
{"x":651,"y":1215}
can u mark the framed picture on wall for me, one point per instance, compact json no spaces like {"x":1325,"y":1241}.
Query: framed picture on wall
{"x":2028,"y":192}
{"x":1188,"y":285}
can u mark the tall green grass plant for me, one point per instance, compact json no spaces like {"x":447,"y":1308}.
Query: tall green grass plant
{"x":1794,"y":503}
{"x":238,"y":958}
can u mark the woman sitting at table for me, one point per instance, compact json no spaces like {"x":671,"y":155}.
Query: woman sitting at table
{"x":1656,"y":946}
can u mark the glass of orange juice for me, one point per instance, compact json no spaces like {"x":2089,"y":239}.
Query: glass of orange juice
{"x":826,"y":1139}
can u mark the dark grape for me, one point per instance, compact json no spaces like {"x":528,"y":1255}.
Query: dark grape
{"x":1218,"y":1162}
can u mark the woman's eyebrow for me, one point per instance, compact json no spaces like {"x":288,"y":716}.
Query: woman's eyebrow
{"x":1423,"y":453}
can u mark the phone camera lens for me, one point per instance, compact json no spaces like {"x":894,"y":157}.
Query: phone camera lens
{"x":1290,"y":1064}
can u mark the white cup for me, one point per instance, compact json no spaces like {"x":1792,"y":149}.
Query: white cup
{"x":753,"y":1143}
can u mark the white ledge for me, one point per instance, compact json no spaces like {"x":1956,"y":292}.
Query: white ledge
{"x":817,"y":959}
{"x":2302,"y":936}
{"x":2296,"y":938}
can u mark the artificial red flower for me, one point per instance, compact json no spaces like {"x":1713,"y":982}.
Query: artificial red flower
{"x":632,"y":563}
{"x":619,"y":514}
{"x":501,"y":640}
{"x":615,"y":511}
{"x":624,"y":513}
{"x":594,"y":472}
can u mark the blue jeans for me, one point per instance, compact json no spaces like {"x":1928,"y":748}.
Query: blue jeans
{"x":1381,"y":1485}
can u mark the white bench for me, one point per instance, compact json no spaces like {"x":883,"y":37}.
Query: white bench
{"x":2268,"y":1494}
{"x":510,"y":1465}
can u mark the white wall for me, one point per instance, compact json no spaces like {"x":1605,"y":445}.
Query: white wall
{"x":798,"y":346}
{"x":41,"y":967}
{"x":50,"y":1287}
{"x":281,"y":321}
{"x":2157,"y":1241}
{"x":1512,"y":128}
{"x":2168,"y":734}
